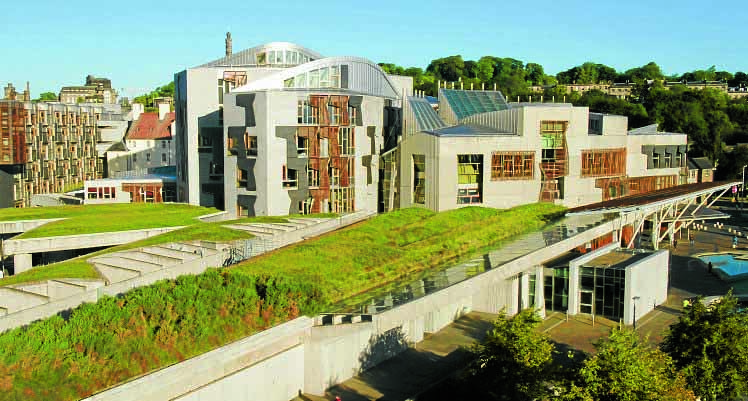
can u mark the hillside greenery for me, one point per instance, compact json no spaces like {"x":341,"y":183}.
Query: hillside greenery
{"x":89,"y":219}
{"x":116,"y":339}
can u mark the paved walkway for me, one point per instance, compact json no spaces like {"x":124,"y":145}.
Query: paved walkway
{"x":434,"y":359}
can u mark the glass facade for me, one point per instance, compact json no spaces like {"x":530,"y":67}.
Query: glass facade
{"x":602,"y":291}
{"x":468,"y":103}
{"x":556,"y":290}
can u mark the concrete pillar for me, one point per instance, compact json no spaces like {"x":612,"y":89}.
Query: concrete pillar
{"x":22,"y":262}
{"x":655,"y":231}
{"x":573,"y":288}
{"x":539,"y":291}
{"x":513,"y":304}
{"x":524,"y":285}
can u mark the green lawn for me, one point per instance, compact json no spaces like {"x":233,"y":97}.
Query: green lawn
{"x":393,"y":245}
{"x":79,"y":268}
{"x":151,"y":327}
{"x":89,"y":219}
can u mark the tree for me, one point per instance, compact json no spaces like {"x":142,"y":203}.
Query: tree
{"x":648,"y":71}
{"x":534,"y":73}
{"x":448,"y":68}
{"x":625,"y":368}
{"x":514,"y":359}
{"x":485,"y":69}
{"x":710,"y":345}
{"x":46,"y":97}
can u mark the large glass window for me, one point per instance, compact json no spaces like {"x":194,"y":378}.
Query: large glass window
{"x":469,"y":179}
{"x":419,"y":179}
{"x":345,"y":141}
{"x":556,"y":289}
{"x":512,"y":165}
{"x":602,"y":162}
{"x":602,"y":291}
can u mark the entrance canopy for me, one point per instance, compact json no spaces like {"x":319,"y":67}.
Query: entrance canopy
{"x":676,"y":207}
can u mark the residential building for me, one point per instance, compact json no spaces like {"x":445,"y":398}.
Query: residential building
{"x":11,"y":94}
{"x":148,"y":144}
{"x":700,"y":169}
{"x":150,"y":188}
{"x":480,"y":150}
{"x":279,"y":129}
{"x":48,"y":147}
{"x":622,"y":90}
{"x":96,"y":90}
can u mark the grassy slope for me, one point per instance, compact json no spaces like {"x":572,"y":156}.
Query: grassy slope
{"x":154,"y":326}
{"x":105,"y":218}
{"x":396,"y":244}
{"x":79,"y":268}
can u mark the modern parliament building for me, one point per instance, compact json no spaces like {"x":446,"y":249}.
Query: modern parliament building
{"x":279,"y":129}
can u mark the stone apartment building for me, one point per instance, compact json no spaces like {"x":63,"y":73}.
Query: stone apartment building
{"x":95,"y":90}
{"x":48,"y":148}
{"x":148,"y":145}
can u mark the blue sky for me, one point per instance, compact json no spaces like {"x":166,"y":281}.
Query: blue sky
{"x":140,"y":44}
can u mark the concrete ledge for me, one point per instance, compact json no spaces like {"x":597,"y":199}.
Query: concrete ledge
{"x":66,"y":242}
{"x":214,"y":217}
{"x":21,"y":226}
{"x":204,"y":370}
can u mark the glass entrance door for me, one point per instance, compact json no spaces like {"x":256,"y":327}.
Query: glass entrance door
{"x":585,"y":301}
{"x":556,"y":289}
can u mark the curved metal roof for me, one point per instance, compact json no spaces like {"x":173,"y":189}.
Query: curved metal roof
{"x":363,"y":76}
{"x":249,"y":57}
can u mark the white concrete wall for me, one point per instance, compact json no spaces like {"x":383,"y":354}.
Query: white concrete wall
{"x":266,"y":366}
{"x":647,"y":279}
{"x":21,"y":226}
{"x":67,"y":242}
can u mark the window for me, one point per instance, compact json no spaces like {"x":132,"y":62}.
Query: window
{"x":512,"y":165}
{"x":134,"y":157}
{"x":204,"y":141}
{"x":334,"y":174}
{"x":602,"y":162}
{"x":307,"y":113}
{"x":469,"y":179}
{"x":667,"y":160}
{"x":341,"y":200}
{"x":302,"y":145}
{"x":250,"y":141}
{"x":163,"y":157}
{"x":163,"y":144}
{"x":312,"y":177}
{"x":241,"y":178}
{"x":289,"y":179}
{"x":345,"y":141}
{"x":305,"y":207}
{"x":261,"y":58}
{"x":552,"y":133}
{"x":419,"y":179}
{"x":147,"y":157}
{"x":656,"y":160}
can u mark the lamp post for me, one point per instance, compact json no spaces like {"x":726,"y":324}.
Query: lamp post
{"x":742,"y":189}
{"x":635,"y":299}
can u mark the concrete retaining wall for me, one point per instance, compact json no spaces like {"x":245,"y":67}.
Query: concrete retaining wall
{"x":65,"y":242}
{"x":267,"y":366}
{"x":21,"y":226}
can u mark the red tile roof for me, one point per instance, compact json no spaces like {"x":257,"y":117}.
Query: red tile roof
{"x":148,"y":126}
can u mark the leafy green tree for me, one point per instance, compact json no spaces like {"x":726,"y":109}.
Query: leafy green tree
{"x":448,"y":68}
{"x":600,"y":102}
{"x":625,"y":368}
{"x":46,"y":97}
{"x":485,"y":69}
{"x":535,"y":73}
{"x":710,"y":345}
{"x":513,"y":360}
{"x":648,"y":71}
{"x":739,"y":79}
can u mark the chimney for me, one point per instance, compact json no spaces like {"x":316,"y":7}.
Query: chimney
{"x":27,"y":93}
{"x":228,"y":44}
{"x":163,"y":108}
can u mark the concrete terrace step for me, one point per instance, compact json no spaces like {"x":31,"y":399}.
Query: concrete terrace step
{"x":146,"y":258}
{"x":173,"y":253}
{"x":115,"y":274}
{"x":127,"y":262}
{"x":258,"y":231}
{"x":14,"y":299}
{"x":276,"y":227}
